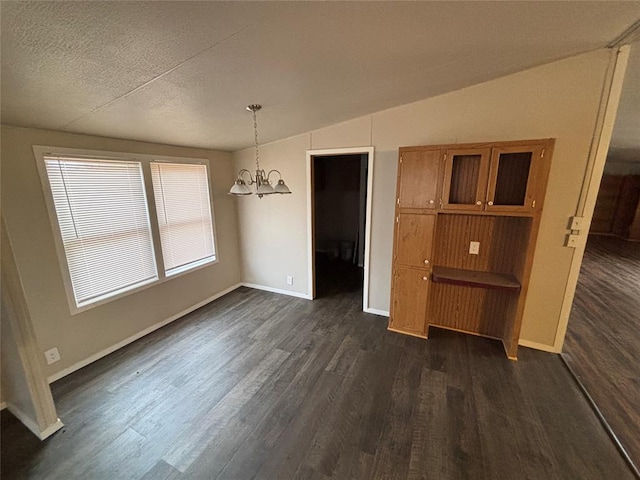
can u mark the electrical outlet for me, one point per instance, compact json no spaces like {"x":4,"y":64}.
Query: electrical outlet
{"x":52,"y":355}
{"x":474,"y":248}
{"x":289,"y":280}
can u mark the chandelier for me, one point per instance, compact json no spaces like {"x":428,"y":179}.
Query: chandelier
{"x":260,"y":179}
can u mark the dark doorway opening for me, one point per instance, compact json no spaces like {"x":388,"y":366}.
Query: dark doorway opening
{"x":339,"y":208}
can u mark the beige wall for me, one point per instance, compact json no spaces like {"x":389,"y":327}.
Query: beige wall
{"x":558,"y":100}
{"x":87,"y":333}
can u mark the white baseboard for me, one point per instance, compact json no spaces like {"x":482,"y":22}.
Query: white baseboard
{"x":31,"y":425}
{"x":376,"y":312}
{"x":127,"y":341}
{"x":538,"y":346}
{"x":277,"y":290}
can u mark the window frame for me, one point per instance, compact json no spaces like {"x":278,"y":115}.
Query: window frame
{"x":40,"y":152}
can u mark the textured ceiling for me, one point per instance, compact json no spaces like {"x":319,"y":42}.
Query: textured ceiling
{"x":182,"y":72}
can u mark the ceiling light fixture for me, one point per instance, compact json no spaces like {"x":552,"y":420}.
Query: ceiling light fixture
{"x":261,"y":179}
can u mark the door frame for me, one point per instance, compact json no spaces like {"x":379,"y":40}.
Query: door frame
{"x":311,"y":154}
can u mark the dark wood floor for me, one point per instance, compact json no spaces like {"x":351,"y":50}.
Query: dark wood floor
{"x":603,"y":339}
{"x":260,"y":385}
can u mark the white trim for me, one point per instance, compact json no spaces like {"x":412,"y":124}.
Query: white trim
{"x":3,"y":405}
{"x":603,"y":130}
{"x":310,"y":239}
{"x":31,"y":425}
{"x":538,"y":346}
{"x":277,"y":290}
{"x":369,"y":151}
{"x":146,"y":331}
{"x":375,"y":311}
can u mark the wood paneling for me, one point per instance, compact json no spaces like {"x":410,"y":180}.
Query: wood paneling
{"x":627,"y":214}
{"x":604,"y":213}
{"x":414,"y":235}
{"x":503,"y":242}
{"x":418,"y":179}
{"x":472,"y":310}
{"x":264,"y":386}
{"x":408,"y":310}
{"x":634,"y":229}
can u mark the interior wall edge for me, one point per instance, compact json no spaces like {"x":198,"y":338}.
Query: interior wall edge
{"x":32,"y":426}
{"x":603,"y":131}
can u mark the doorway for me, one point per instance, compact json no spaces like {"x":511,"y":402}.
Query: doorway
{"x":339,"y":212}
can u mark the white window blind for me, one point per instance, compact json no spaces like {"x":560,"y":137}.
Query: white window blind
{"x":184,"y":215}
{"x":102,"y":211}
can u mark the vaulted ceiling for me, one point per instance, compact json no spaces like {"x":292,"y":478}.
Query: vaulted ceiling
{"x":182,"y":72}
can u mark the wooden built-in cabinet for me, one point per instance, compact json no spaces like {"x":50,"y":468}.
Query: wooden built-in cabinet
{"x":450,"y":199}
{"x":502,"y":178}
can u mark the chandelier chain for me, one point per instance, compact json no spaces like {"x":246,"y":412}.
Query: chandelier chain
{"x":255,"y":130}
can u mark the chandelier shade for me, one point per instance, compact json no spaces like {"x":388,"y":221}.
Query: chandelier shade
{"x":260,"y":180}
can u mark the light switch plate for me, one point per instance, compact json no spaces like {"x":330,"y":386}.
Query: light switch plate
{"x":474,"y":248}
{"x":52,"y":355}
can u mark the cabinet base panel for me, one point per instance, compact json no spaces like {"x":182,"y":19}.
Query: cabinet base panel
{"x":404,"y":332}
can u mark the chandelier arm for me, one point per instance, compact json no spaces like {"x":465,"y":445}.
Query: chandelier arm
{"x":244,"y":171}
{"x":274,"y":170}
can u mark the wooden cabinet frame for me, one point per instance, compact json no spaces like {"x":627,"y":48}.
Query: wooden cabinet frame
{"x":478,"y":199}
{"x":482,"y":295}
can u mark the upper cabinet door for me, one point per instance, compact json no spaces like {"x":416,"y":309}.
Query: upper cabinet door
{"x":512,"y":179}
{"x":418,"y":179}
{"x":465,"y":178}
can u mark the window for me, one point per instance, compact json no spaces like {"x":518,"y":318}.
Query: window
{"x":100,"y":207}
{"x":184,"y":215}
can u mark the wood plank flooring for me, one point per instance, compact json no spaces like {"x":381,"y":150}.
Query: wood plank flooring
{"x":603,"y":338}
{"x":260,"y":385}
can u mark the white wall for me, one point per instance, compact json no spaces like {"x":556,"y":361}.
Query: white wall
{"x":559,"y":100}
{"x":81,"y":336}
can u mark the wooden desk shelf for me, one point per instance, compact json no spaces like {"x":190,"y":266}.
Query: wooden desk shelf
{"x":472,"y":278}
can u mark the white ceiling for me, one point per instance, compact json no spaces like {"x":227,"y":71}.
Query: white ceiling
{"x":182,"y":72}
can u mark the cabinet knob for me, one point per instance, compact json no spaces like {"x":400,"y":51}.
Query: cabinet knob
{"x":490,"y":203}
{"x":424,"y":278}
{"x":427,"y":262}
{"x":430,"y":202}
{"x":478,"y":202}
